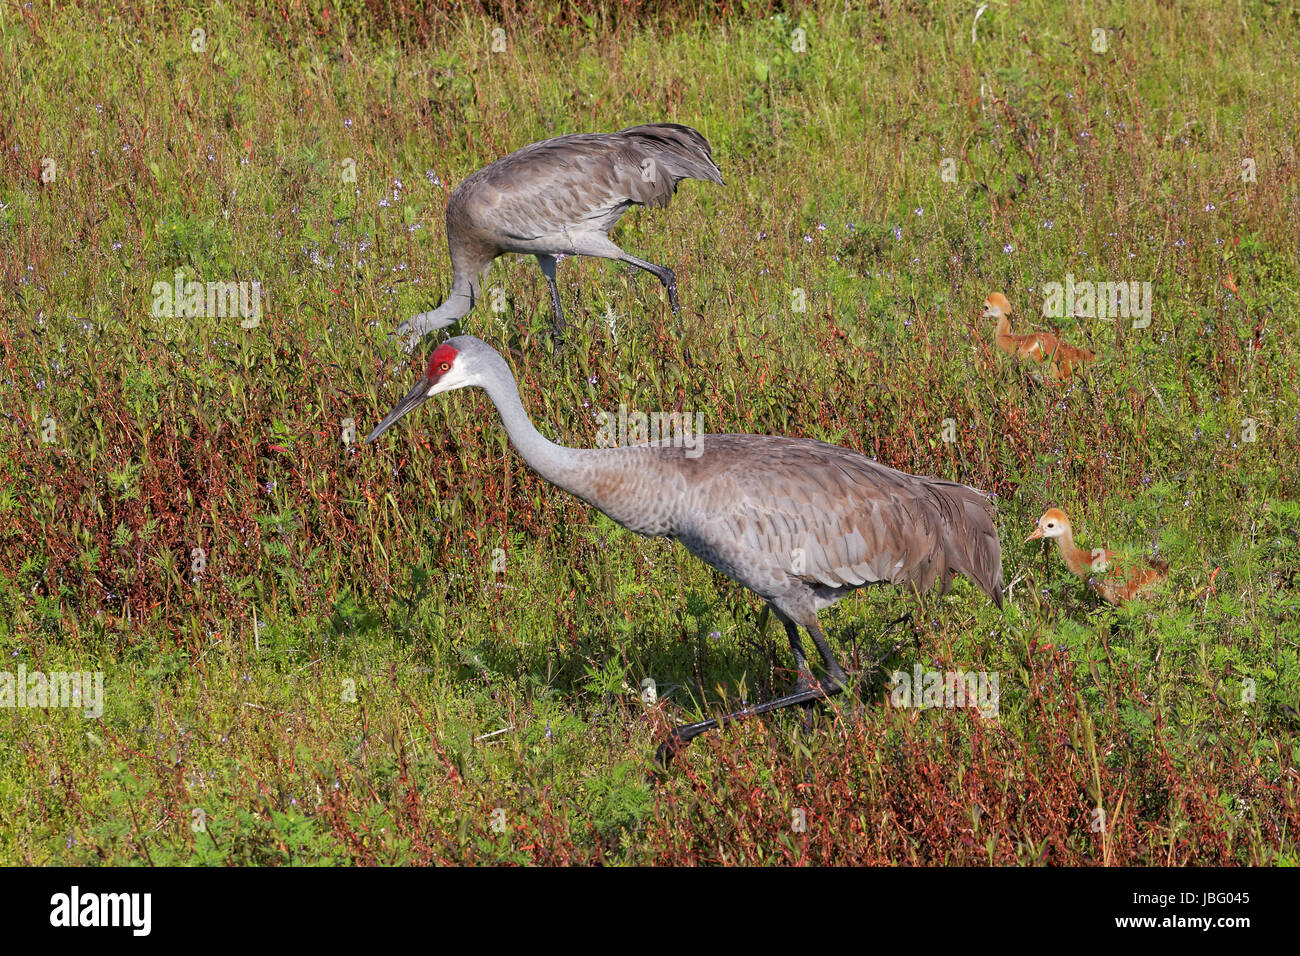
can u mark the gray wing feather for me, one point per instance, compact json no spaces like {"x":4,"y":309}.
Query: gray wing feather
{"x":547,"y":187}
{"x":831,"y":516}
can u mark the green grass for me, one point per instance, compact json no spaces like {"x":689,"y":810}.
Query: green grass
{"x":352,"y":678}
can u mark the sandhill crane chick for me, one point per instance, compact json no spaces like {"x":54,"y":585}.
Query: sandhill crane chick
{"x":1100,"y":566}
{"x":1061,"y":357}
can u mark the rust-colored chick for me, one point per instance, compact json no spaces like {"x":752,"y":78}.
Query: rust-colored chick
{"x":1099,"y":566}
{"x":1061,"y":357}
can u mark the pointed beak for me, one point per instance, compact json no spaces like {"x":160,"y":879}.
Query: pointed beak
{"x":414,"y":398}
{"x":1038,"y":533}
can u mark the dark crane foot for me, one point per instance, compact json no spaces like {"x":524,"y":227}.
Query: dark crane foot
{"x":669,"y":280}
{"x":680,"y":737}
{"x":672,"y":297}
{"x":905,"y":619}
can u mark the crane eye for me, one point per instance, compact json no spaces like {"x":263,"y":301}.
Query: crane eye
{"x":444,"y":366}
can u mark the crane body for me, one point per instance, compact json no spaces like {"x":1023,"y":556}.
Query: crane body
{"x":562,"y":196}
{"x":801,"y":523}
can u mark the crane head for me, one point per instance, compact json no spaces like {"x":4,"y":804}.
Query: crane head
{"x":996,"y":306}
{"x":445,"y":371}
{"x":1052,"y":524}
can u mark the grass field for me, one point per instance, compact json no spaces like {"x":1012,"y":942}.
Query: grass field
{"x":413,"y":652}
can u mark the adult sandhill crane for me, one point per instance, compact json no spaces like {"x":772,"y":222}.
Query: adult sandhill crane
{"x":562,"y":196}
{"x":1040,"y":346}
{"x":798,"y":522}
{"x":1113,"y":581}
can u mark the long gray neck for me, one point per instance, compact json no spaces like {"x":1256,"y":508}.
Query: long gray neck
{"x":556,"y":463}
{"x":456,"y":306}
{"x":464,"y":293}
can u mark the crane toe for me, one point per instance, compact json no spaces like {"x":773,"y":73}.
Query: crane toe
{"x":670,"y":283}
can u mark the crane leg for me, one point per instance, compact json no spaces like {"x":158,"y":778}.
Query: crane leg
{"x":547,"y":264}
{"x":805,"y":691}
{"x":828,"y":656}
{"x":803,"y":675}
{"x":803,"y":678}
{"x":681,"y":736}
{"x":662,"y":273}
{"x":602,"y":246}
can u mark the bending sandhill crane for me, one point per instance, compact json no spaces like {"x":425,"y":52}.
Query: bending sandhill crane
{"x":1119,"y":584}
{"x":562,"y":196}
{"x":798,"y":522}
{"x":1040,"y":346}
